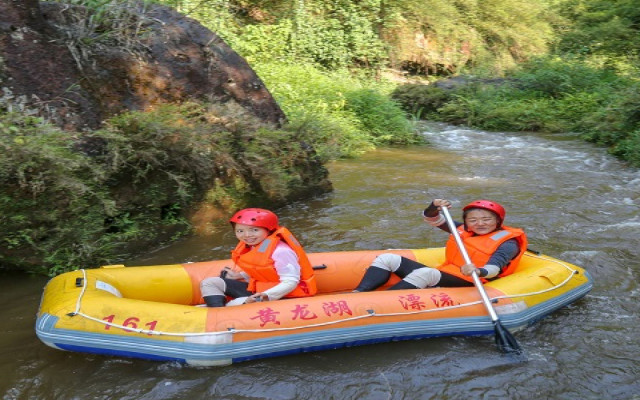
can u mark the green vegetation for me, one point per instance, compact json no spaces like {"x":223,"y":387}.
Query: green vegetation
{"x":548,"y":95}
{"x":543,"y":95}
{"x":567,"y":65}
{"x":590,"y":84}
{"x":74,"y":199}
{"x":348,"y":115}
{"x":430,"y":37}
{"x":70,"y":202}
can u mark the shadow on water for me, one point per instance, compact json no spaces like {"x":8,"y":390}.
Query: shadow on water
{"x":576,"y":203}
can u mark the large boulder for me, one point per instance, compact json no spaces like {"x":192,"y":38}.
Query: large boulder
{"x":77,"y":71}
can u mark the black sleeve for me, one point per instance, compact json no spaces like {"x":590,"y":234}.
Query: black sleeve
{"x":503,"y":255}
{"x":430,"y":211}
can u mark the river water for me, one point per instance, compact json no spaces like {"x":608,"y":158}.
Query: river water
{"x":576,"y":203}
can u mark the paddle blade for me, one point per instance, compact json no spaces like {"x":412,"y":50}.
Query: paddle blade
{"x":505,"y":340}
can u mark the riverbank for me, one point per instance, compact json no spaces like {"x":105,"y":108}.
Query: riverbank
{"x":548,"y":95}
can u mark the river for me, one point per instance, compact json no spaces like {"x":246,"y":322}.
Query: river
{"x":575,"y":202}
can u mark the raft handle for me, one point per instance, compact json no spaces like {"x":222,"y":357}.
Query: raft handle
{"x":323,"y":266}
{"x":536,"y":252}
{"x":79,"y":282}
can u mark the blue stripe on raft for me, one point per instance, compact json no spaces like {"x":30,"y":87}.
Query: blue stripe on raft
{"x":150,"y":348}
{"x":355,"y":343}
{"x":116,"y":353}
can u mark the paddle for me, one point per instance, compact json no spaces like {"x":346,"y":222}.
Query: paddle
{"x":504,"y":339}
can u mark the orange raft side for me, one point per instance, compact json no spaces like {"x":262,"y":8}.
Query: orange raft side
{"x":335,"y":272}
{"x":337,"y":275}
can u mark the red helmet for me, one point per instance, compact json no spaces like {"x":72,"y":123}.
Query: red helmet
{"x":487,"y":205}
{"x":256,"y":217}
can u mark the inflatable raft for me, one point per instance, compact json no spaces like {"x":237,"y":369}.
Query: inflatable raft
{"x":154,"y":313}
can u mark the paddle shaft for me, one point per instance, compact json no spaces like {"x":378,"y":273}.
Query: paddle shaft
{"x":465,"y":255}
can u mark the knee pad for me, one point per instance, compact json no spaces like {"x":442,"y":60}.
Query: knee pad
{"x":213,"y":286}
{"x":424,"y":277}
{"x":387,"y":261}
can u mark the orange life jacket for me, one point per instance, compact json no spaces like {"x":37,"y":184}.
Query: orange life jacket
{"x":480,"y":248}
{"x":256,"y":261}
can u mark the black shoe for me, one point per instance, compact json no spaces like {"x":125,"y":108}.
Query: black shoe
{"x":215,"y":300}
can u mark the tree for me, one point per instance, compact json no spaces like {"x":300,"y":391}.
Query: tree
{"x":604,"y":27}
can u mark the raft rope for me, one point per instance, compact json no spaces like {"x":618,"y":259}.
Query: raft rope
{"x":369,"y":315}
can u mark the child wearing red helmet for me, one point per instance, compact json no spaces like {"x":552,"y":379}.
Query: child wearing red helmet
{"x":269,"y":263}
{"x":495,"y":251}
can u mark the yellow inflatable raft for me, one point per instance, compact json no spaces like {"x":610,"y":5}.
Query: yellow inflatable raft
{"x":153,"y":313}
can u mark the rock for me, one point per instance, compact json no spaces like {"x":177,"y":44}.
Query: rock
{"x":76,"y":79}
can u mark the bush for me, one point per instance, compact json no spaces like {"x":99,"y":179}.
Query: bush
{"x":52,"y":203}
{"x":422,"y":101}
{"x":629,"y":148}
{"x":556,"y":77}
{"x":616,"y":124}
{"x":73,"y":200}
{"x":381,"y":118}
{"x":340,"y":117}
